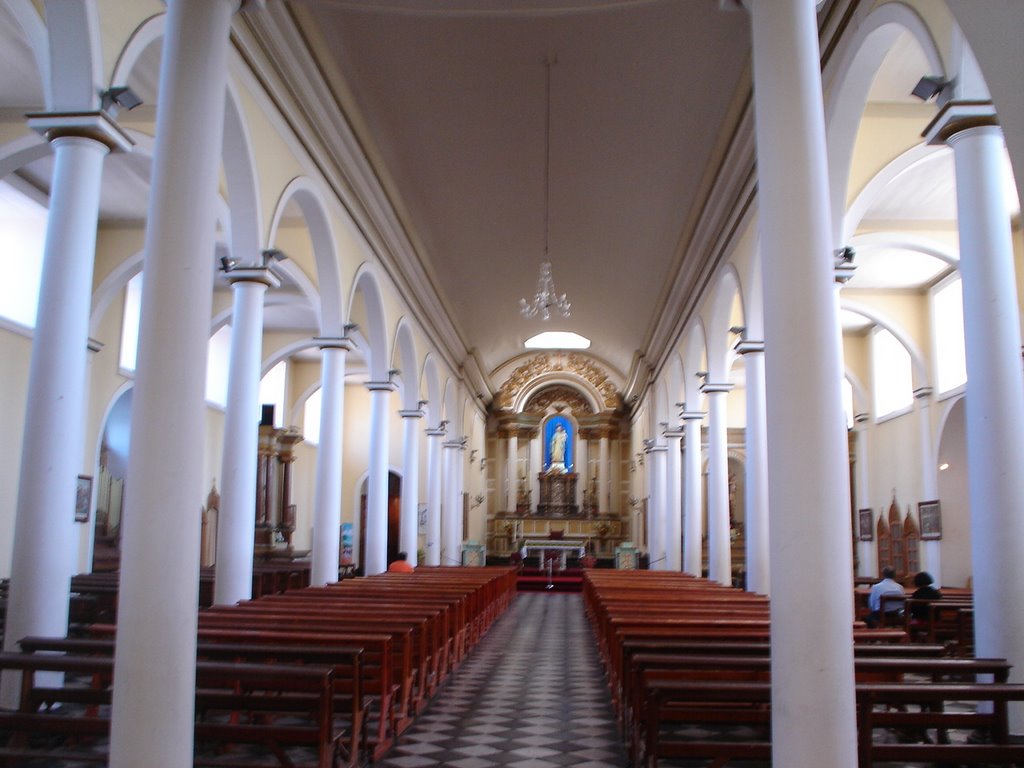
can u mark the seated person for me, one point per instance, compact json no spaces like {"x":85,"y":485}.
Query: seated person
{"x":887,"y":586}
{"x":401,"y":565}
{"x":925,"y":591}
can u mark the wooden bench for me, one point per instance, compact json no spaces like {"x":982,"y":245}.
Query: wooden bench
{"x":228,"y":689}
{"x":346,"y":662}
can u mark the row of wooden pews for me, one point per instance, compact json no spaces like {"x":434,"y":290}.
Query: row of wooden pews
{"x":382,"y":646}
{"x":680,"y":652}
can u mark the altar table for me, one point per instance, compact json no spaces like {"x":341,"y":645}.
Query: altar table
{"x":541,"y":546}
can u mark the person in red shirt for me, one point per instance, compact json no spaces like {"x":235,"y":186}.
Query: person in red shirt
{"x":401,"y":565}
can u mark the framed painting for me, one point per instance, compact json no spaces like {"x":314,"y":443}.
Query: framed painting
{"x":865,"y":525}
{"x":83,"y":498}
{"x":931,"y":520}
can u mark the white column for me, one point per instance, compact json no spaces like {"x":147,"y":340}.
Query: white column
{"x":673,"y":499}
{"x":434,"y":489}
{"x":535,"y":464}
{"x":813,"y":707}
{"x":652,"y":504}
{"x":411,"y":484}
{"x":995,"y":384}
{"x":930,"y":549}
{"x":513,"y":470}
{"x":604,"y":480}
{"x":865,"y":549}
{"x":156,"y":650}
{"x":329,"y":461}
{"x":377,"y":479}
{"x":236,"y":525}
{"x":719,"y":543}
{"x":581,"y":467}
{"x":756,"y":500}
{"x":451,"y":553}
{"x":44,"y":551}
{"x":693,"y":528}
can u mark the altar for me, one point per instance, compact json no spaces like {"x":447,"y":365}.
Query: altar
{"x":540,"y":547}
{"x":558,"y":495}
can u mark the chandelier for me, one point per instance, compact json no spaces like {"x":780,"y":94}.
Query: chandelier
{"x":546,"y":299}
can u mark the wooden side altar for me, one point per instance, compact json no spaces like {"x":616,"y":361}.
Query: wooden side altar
{"x":558,"y":495}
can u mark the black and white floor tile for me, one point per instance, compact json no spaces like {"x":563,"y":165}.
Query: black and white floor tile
{"x":531,"y":695}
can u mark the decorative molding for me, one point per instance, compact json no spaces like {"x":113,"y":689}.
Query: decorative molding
{"x":571,"y":363}
{"x":958,"y":116}
{"x":98,"y":126}
{"x":541,"y":401}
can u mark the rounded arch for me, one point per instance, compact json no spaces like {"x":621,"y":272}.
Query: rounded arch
{"x":148,"y":32}
{"x":76,"y":57}
{"x":405,"y":360}
{"x":917,"y":361}
{"x":861,"y":400}
{"x":674,"y":386}
{"x":33,"y":30}
{"x":307,"y":196}
{"x":693,"y":356}
{"x":452,"y":412}
{"x":728,"y":292}
{"x":858,"y":64}
{"x":366,"y":285}
{"x":430,"y":380}
{"x":21,"y":151}
{"x":240,"y":177}
{"x":906,"y":242}
{"x":581,"y":385}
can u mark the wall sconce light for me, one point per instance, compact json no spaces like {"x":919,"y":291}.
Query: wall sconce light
{"x":119,"y":96}
{"x":394,"y":372}
{"x":483,"y":463}
{"x":701,"y":374}
{"x":478,"y":500}
{"x":273,"y":256}
{"x":472,"y":455}
{"x":845,"y":255}
{"x":738,"y":330}
{"x":227,"y":263}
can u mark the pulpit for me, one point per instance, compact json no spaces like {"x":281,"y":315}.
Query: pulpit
{"x":558,"y":495}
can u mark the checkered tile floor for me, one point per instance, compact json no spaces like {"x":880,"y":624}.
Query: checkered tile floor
{"x":532,"y":695}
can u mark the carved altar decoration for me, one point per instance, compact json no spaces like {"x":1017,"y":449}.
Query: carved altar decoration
{"x":557,"y":495}
{"x":898,"y":542}
{"x":558,"y":362}
{"x":275,"y":513}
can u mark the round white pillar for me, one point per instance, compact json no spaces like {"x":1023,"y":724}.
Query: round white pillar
{"x":411,"y":484}
{"x":451,"y":553}
{"x":930,"y":549}
{"x":604,"y":503}
{"x":513,"y":471}
{"x":43,"y":555}
{"x":377,"y":480}
{"x":719,"y":543}
{"x":865,"y":549}
{"x":435,"y":468}
{"x":673,"y":500}
{"x":156,"y":650}
{"x":693,"y":524}
{"x":329,"y":462}
{"x":756,"y":496}
{"x":813,"y":706}
{"x":995,"y":385}
{"x":236,"y":525}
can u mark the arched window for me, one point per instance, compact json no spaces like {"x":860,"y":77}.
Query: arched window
{"x":311,"y":417}
{"x":948,"y":330}
{"x":891,"y":374}
{"x":272,"y":388}
{"x":22,"y":237}
{"x":130,"y":324}
{"x":217,"y":355}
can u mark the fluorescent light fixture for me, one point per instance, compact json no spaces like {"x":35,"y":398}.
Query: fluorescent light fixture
{"x":557,"y":340}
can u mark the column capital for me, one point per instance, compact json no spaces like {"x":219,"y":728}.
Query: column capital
{"x":436,"y":432}
{"x":923,"y":393}
{"x":459,"y":443}
{"x":381,"y":386}
{"x":263,"y":275}
{"x":657,"y":448}
{"x":675,"y":433}
{"x":958,"y":116}
{"x":692,"y":415}
{"x":97,"y":125}
{"x":709,"y":388}
{"x":344,"y":343}
{"x":749,"y":347}
{"x":844,"y":272}
{"x":412,"y":414}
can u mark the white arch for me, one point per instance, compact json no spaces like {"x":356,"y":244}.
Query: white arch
{"x":906,"y":242}
{"x":861,"y":401}
{"x":366,"y":283}
{"x":241,"y":178}
{"x":719,"y":352}
{"x":405,"y":360}
{"x":21,"y":151}
{"x":148,"y":32}
{"x":859,"y":61}
{"x":76,"y":55}
{"x":916,"y":155}
{"x":916,"y":358}
{"x":584,"y":387}
{"x":331,"y":309}
{"x":34,"y":30}
{"x":430,"y":377}
{"x":693,"y":356}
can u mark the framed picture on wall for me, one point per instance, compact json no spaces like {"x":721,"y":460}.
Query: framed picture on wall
{"x":83,"y":498}
{"x":931,"y":520}
{"x":865,"y":525}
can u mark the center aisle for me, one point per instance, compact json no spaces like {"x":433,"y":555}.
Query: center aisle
{"x":532,"y":694}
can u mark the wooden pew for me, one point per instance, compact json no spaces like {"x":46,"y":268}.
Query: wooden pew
{"x":253,"y":689}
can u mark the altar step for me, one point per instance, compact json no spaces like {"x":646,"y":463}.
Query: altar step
{"x":536,"y":580}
